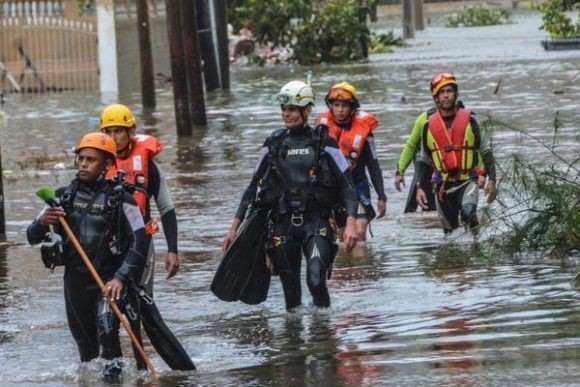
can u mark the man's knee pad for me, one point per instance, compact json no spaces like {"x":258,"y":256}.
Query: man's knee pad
{"x":316,"y":279}
{"x":469,"y":213}
{"x":316,"y":273}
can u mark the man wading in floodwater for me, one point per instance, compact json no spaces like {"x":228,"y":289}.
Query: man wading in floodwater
{"x":452,"y":143}
{"x":112,"y":234}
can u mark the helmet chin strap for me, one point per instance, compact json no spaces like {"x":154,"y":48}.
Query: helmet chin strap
{"x":126,"y":149}
{"x":303,"y":115}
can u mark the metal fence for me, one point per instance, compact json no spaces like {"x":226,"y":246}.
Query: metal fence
{"x":43,"y":49}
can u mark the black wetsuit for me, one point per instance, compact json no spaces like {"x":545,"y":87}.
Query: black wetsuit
{"x":302,"y":175}
{"x":90,"y":319}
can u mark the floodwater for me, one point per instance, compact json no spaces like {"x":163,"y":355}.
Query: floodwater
{"x":401,"y":314}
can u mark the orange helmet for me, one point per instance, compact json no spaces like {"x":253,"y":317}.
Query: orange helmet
{"x":442,"y":79}
{"x":99,"y":141}
{"x":343,"y":91}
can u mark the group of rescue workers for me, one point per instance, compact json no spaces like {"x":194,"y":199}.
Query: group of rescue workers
{"x":312,"y":180}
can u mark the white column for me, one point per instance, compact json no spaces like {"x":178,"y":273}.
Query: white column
{"x":109,"y":82}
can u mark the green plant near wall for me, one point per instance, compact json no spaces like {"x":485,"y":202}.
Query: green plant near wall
{"x":477,"y":17}
{"x":555,"y":20}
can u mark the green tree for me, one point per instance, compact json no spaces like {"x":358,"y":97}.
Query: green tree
{"x":318,"y":31}
{"x":556,"y":22}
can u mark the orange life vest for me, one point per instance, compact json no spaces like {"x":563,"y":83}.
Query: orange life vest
{"x":136,"y":167}
{"x":351,"y":142}
{"x":452,"y":149}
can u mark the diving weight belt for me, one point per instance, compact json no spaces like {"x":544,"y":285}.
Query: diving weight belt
{"x":242,"y":274}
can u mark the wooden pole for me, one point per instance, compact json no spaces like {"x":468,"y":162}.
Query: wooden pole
{"x":178,"y":73}
{"x":113,"y":304}
{"x":362,"y":16}
{"x":419,"y":17}
{"x":210,"y":70}
{"x":2,"y":215}
{"x":145,"y":56}
{"x":193,"y":63}
{"x":408,"y":25}
{"x":221,"y":13}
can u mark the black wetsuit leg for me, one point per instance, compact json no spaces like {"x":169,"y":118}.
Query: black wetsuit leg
{"x":92,"y":324}
{"x":448,"y":211}
{"x":287,"y":260}
{"x":80,"y":297}
{"x":108,"y":329}
{"x":318,"y":252}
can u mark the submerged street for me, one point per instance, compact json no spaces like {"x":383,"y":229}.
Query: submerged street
{"x":401,"y":315}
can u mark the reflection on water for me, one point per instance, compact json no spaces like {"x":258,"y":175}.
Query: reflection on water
{"x":401,"y":315}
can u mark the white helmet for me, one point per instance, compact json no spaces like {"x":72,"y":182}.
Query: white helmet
{"x":295,"y":93}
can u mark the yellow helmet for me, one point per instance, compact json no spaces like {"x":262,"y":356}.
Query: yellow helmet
{"x":343,"y":91}
{"x":117,"y":115}
{"x":99,"y":141}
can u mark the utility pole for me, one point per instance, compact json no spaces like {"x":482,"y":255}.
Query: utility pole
{"x":208,"y":54}
{"x":178,"y":72}
{"x":196,"y":100}
{"x":419,"y":18}
{"x":408,"y":26}
{"x":2,"y":215}
{"x":145,"y":56}
{"x":221,"y":21}
{"x":362,"y":16}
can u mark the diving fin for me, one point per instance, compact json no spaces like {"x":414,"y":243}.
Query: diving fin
{"x":239,"y":261}
{"x":256,"y":290}
{"x":411,"y":204}
{"x":161,"y":337}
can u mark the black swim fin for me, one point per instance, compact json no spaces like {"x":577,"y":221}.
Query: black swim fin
{"x":256,"y":290}
{"x":411,"y":204}
{"x":238,"y":263}
{"x":161,"y":337}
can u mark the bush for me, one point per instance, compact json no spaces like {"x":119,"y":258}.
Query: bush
{"x":336,"y":33}
{"x":543,"y":214}
{"x":270,"y":21}
{"x":318,"y":31}
{"x":556,"y":22}
{"x":477,"y":17}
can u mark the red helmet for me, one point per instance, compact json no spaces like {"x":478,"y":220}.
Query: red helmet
{"x":442,"y":79}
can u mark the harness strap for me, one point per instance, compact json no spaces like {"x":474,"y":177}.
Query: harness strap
{"x":280,"y":240}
